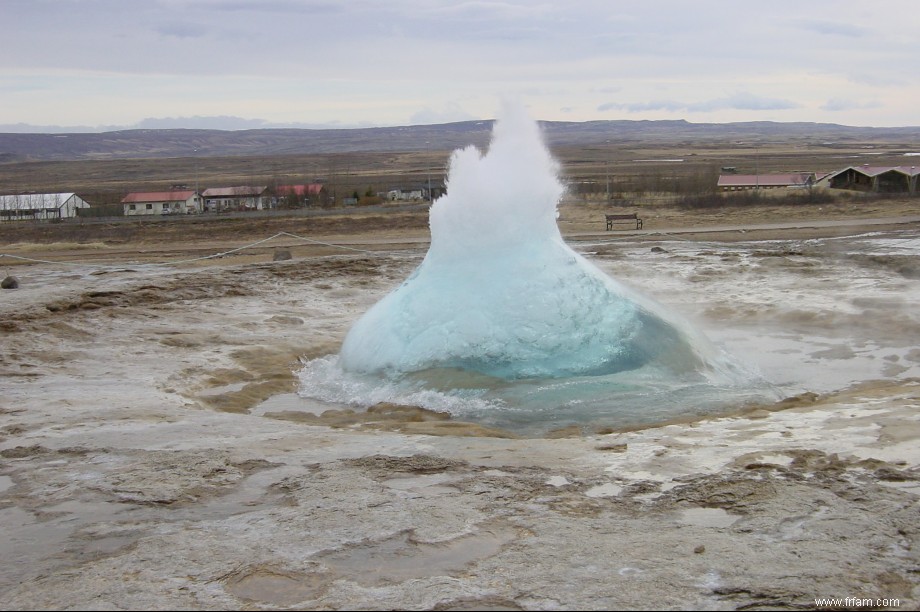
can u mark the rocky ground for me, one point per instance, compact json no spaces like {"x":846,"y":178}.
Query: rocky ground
{"x":141,"y":469}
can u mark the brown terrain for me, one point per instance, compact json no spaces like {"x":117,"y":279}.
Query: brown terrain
{"x":195,"y":236}
{"x":155,"y":451}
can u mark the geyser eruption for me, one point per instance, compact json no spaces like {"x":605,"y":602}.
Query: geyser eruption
{"x":499,"y":293}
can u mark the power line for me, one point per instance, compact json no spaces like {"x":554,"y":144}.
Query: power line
{"x":204,"y":257}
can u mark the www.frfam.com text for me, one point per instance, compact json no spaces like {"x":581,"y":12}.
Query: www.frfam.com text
{"x":856,"y":602}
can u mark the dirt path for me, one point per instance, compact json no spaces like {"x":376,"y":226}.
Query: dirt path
{"x":126,"y":242}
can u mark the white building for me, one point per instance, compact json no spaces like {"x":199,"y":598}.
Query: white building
{"x":43,"y":206}
{"x":430,"y":190}
{"x":405,"y":194}
{"x":173,"y":202}
{"x":236,"y":198}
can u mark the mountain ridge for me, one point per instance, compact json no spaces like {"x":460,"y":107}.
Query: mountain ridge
{"x":190,"y":142}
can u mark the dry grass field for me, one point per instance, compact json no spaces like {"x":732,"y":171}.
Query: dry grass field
{"x":638,"y":177}
{"x":618,"y":166}
{"x":125,"y":240}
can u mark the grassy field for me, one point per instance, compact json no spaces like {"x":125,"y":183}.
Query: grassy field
{"x":649,"y":179}
{"x":628,"y":167}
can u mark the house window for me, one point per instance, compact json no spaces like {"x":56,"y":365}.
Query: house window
{"x":150,"y":207}
{"x":132,"y":207}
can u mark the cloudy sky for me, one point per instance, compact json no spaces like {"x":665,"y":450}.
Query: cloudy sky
{"x":235,"y":64}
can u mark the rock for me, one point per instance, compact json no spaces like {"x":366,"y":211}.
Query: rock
{"x":699,"y":550}
{"x":282,"y":255}
{"x":286,"y":320}
{"x":615,"y":447}
{"x":658,"y":249}
{"x":10,"y":282}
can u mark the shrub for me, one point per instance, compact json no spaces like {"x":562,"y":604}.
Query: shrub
{"x":370,"y":200}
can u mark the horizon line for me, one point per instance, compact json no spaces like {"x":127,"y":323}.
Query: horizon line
{"x":32,"y":129}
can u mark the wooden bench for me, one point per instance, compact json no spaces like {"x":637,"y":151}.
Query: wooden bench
{"x":611,"y":219}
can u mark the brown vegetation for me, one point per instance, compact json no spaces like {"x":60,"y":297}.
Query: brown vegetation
{"x":671,"y":183}
{"x":670,"y":162}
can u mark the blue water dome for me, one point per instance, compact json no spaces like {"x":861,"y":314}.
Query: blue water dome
{"x":499,"y":293}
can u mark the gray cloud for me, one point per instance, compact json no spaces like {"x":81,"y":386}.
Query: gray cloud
{"x":451,"y":114}
{"x":745,"y":101}
{"x":358,"y":61}
{"x":638,"y":107}
{"x":223,"y":122}
{"x":181,"y":30}
{"x":217,"y":122}
{"x":741,"y":101}
{"x":28,"y":128}
{"x":835,"y":28}
{"x":279,"y":6}
{"x":840,"y":104}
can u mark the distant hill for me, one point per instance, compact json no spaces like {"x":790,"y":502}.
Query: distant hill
{"x":162,"y":143}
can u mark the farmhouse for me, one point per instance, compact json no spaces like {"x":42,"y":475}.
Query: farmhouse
{"x":889,"y":179}
{"x":42,"y":206}
{"x":417,"y":192}
{"x":405,"y":193}
{"x":173,"y":202}
{"x":741,"y":182}
{"x":236,"y":198}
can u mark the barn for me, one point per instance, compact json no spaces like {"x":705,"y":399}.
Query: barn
{"x":40,"y":206}
{"x":888,"y":179}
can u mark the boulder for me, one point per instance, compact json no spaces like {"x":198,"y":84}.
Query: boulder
{"x":10,"y":282}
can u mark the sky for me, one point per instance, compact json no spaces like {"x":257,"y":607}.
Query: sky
{"x":97,"y":65}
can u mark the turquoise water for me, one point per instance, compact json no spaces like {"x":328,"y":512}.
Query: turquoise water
{"x":640,"y":397}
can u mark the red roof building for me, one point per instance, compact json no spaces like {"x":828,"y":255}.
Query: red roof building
{"x":172,"y":202}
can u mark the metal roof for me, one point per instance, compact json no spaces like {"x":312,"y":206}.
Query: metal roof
{"x":794,"y":179}
{"x":868,"y":170}
{"x":229,"y":192}
{"x":177,"y":195}
{"x":35,"y":201}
